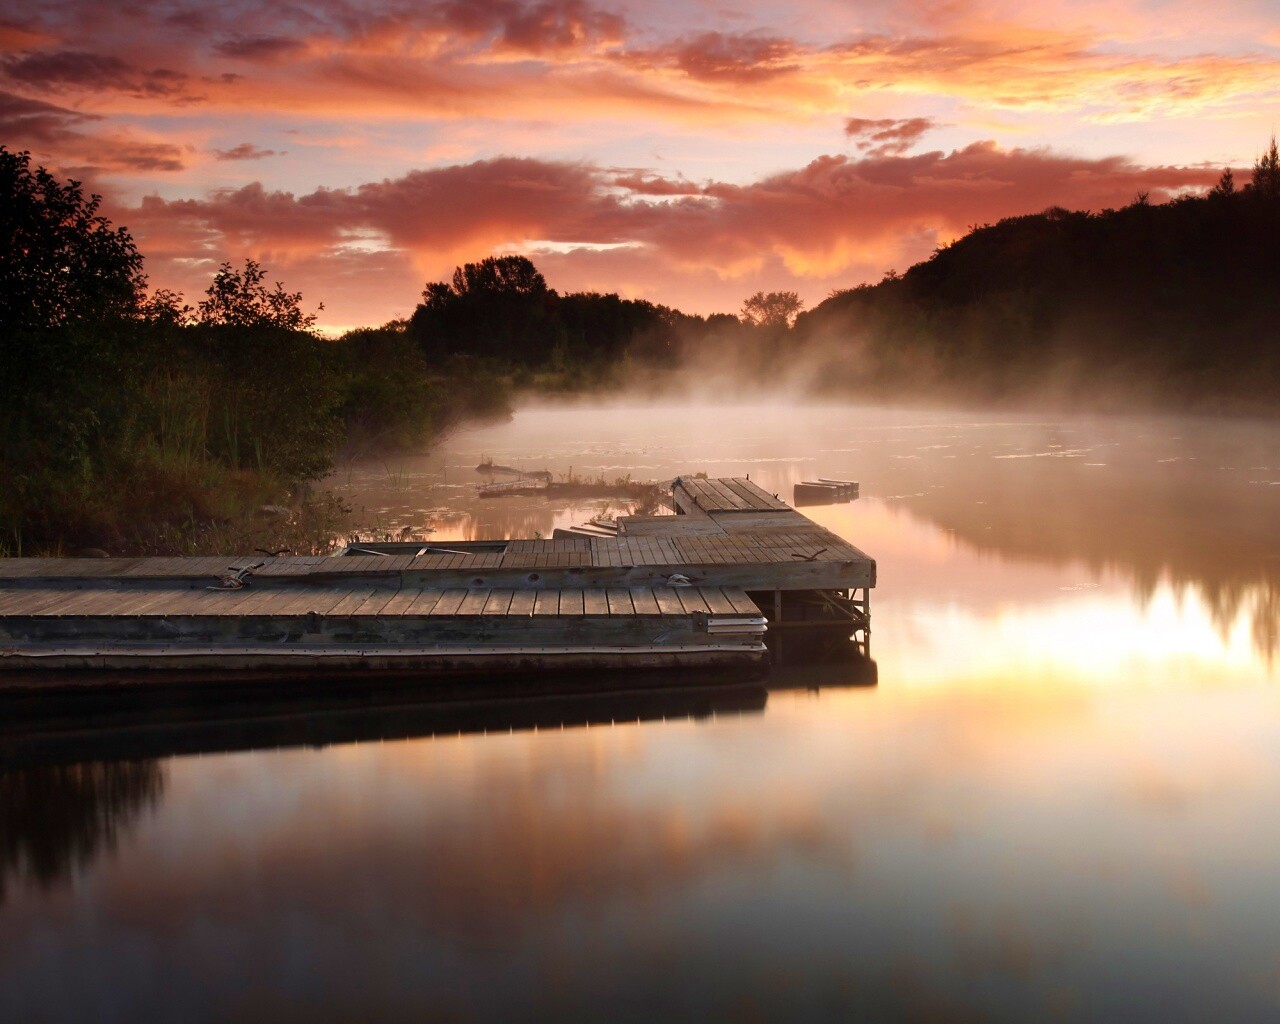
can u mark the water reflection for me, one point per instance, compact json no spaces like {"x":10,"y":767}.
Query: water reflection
{"x":56,"y":820}
{"x":159,"y":728}
{"x":74,"y":784}
{"x":1056,"y":803}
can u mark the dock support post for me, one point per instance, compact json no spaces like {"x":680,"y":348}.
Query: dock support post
{"x":777,"y":606}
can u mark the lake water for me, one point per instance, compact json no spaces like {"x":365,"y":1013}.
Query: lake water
{"x":1059,"y":801}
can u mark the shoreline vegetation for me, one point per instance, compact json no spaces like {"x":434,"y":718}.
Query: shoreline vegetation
{"x":134,"y":423}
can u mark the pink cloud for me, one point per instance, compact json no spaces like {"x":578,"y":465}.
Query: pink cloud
{"x":837,"y":218}
{"x":573,"y":59}
{"x":244,"y":151}
{"x":74,"y":142}
{"x":887,"y":136}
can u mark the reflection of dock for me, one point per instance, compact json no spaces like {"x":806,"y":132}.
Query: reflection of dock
{"x":683,"y":591}
{"x":117,"y":724}
{"x":104,"y":732}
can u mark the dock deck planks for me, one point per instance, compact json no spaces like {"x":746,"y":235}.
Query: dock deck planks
{"x":624,"y":589}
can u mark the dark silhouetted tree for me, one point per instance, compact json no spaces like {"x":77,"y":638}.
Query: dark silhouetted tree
{"x":61,"y":262}
{"x":242,"y":299}
{"x":1226,"y":185}
{"x":166,"y":308}
{"x":510,"y":274}
{"x":1266,"y":173}
{"x":772,"y":309}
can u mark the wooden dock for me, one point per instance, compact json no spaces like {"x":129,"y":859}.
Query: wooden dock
{"x":695,"y":589}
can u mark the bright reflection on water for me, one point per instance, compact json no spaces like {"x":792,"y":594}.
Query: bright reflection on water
{"x":1058,"y":803}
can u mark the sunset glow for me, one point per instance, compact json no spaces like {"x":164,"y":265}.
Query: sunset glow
{"x":689,"y":154}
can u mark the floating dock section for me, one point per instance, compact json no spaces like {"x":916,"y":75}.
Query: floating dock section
{"x":824,"y":492}
{"x":692,"y":590}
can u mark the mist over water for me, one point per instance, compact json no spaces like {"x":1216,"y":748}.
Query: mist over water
{"x":1057,"y":803}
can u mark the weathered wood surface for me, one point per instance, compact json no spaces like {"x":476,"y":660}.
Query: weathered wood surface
{"x":373,"y":660}
{"x":660,"y":584}
{"x":733,"y":534}
{"x":351,"y":600}
{"x":172,"y":626}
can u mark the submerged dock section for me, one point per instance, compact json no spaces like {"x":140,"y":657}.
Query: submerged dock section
{"x":695,"y":589}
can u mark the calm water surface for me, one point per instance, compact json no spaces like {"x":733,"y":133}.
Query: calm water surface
{"x":1059,"y":802}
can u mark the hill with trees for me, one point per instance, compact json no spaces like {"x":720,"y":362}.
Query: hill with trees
{"x":1176,"y":304}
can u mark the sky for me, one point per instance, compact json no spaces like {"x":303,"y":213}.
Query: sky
{"x":685,"y":152}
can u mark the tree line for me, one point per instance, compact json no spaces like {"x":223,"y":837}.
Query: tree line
{"x":1175,"y":304}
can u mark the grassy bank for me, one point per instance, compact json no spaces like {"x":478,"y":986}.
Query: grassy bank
{"x":168,"y":437}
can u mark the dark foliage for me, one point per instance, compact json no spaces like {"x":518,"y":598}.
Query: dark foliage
{"x":61,"y":262}
{"x":136,"y":423}
{"x":1176,"y":302}
{"x":502,"y":311}
{"x":241,"y":298}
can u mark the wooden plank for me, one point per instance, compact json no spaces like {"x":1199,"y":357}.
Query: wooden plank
{"x":742,"y":604}
{"x":499,"y":601}
{"x":357,"y":564}
{"x":90,"y":600}
{"x":732,"y":499}
{"x":135,"y":602}
{"x":717,"y":602}
{"x":644,"y":601}
{"x":376,"y":601}
{"x":619,"y":601}
{"x":250,"y":600}
{"x":292,"y":565}
{"x":18,"y":597}
{"x":17,"y":568}
{"x":785,"y":573}
{"x":691,"y":599}
{"x":319,"y":599}
{"x":752,"y":501}
{"x":686,"y":500}
{"x":710,"y":497}
{"x":474,"y":602}
{"x":148,"y":567}
{"x":668,"y":600}
{"x":594,"y":602}
{"x":571,"y":602}
{"x":527,"y":559}
{"x":198,"y":599}
{"x":35,"y":600}
{"x":84,"y":568}
{"x":698,"y":490}
{"x":547,"y":603}
{"x":522,"y":602}
{"x":354,"y":599}
{"x":723,"y":550}
{"x":766,"y":500}
{"x":423,"y":605}
{"x":451,"y":601}
{"x":431,"y":562}
{"x":404,"y":598}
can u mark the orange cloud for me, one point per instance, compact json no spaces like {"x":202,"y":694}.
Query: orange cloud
{"x":835,"y":215}
{"x":887,"y":136}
